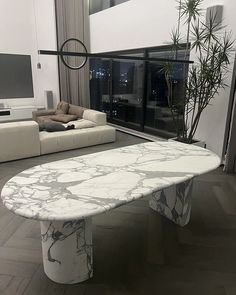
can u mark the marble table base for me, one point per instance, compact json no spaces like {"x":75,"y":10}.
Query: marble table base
{"x":67,"y":250}
{"x":174,"y":202}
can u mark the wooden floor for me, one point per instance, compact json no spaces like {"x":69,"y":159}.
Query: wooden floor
{"x":200,"y":259}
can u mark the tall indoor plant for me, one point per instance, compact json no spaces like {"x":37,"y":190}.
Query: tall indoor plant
{"x":212,"y":45}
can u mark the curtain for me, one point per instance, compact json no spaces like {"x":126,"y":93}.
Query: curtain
{"x":73,"y":22}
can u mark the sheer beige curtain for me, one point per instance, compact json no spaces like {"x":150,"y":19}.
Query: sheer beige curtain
{"x":73,"y":22}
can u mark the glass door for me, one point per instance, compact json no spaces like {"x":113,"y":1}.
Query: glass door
{"x":100,"y":80}
{"x":158,"y":111}
{"x":127,"y":93}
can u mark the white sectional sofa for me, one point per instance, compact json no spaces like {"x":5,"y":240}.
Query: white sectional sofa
{"x":19,"y":140}
{"x":51,"y":142}
{"x":23,"y":139}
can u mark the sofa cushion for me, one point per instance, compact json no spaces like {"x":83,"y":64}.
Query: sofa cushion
{"x":76,"y":110}
{"x":63,"y":118}
{"x":42,"y":113}
{"x":62,"y":108}
{"x":41,"y":127}
{"x":19,"y":140}
{"x":43,"y":119}
{"x":82,"y":123}
{"x":97,"y":117}
{"x":51,"y":142}
{"x":52,"y":127}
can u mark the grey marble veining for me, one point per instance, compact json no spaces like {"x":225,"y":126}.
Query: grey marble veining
{"x":67,"y":250}
{"x":80,"y":187}
{"x":174,"y":202}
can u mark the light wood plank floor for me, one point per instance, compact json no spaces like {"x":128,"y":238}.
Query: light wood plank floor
{"x":200,"y":259}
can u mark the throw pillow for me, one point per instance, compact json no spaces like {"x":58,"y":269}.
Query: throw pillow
{"x":63,"y":118}
{"x":41,"y":127}
{"x":62,"y":108}
{"x":53,"y":126}
{"x":76,"y":110}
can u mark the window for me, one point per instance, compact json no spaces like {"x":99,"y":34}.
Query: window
{"x":134,"y":93}
{"x":99,"y":5}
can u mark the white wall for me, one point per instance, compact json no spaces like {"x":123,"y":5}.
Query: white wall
{"x":211,"y":128}
{"x":139,"y":23}
{"x":25,"y":27}
{"x":133,"y":24}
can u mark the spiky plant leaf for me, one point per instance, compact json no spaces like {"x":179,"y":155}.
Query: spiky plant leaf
{"x":207,"y":76}
{"x":198,"y":33}
{"x":190,"y":9}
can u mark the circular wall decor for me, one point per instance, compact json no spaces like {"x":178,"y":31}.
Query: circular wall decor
{"x":62,"y":56}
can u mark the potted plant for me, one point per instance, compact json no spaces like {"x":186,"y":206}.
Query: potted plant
{"x":212,"y":46}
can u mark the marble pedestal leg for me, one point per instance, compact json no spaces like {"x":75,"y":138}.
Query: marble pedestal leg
{"x":174,"y":202}
{"x":67,"y":250}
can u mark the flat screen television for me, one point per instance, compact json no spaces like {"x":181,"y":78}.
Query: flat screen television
{"x":15,"y":76}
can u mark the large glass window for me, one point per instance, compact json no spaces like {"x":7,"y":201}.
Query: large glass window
{"x":127,"y":92}
{"x":99,"y":5}
{"x":135,"y":94}
{"x":100,"y":79}
{"x":159,"y":109}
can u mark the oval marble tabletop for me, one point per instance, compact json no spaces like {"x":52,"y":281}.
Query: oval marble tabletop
{"x":84,"y":186}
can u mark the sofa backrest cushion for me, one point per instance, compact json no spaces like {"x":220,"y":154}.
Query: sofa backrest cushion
{"x":97,"y":117}
{"x":76,"y":110}
{"x":62,"y":107}
{"x":43,"y":119}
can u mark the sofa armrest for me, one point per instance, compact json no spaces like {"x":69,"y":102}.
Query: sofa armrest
{"x":41,"y":113}
{"x":97,"y":117}
{"x":19,"y":140}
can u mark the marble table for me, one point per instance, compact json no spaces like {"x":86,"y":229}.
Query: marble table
{"x":64,"y":195}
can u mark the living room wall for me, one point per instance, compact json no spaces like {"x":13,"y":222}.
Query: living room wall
{"x":138,"y":23}
{"x":25,"y":27}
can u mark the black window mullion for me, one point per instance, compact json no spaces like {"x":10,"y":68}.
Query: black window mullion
{"x":144,"y":100}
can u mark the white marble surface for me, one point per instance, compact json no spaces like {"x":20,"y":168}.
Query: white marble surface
{"x":84,"y":186}
{"x":67,"y":250}
{"x":174,"y":202}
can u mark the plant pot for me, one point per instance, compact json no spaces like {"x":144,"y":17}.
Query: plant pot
{"x":196,"y":142}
